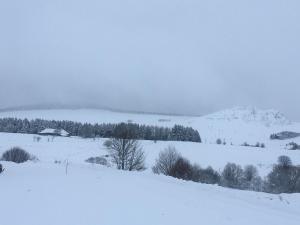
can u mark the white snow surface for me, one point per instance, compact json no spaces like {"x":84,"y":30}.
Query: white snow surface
{"x":42,"y":193}
{"x":252,"y":114}
{"x":77,"y":150}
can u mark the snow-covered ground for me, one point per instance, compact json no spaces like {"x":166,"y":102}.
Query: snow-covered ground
{"x":77,"y":150}
{"x":42,"y":192}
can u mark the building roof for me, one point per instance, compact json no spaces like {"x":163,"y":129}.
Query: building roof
{"x":50,"y":131}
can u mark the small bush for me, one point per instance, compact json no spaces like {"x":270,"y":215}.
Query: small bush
{"x":1,"y":168}
{"x":245,"y":144}
{"x":182,"y":169}
{"x":257,"y":145}
{"x":16,"y":155}
{"x":97,"y":160}
{"x":218,"y":141}
{"x":57,"y":161}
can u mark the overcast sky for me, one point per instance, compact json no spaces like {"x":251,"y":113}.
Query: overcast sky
{"x":178,"y":56}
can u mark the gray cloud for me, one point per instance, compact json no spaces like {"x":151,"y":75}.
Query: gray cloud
{"x":167,"y":56}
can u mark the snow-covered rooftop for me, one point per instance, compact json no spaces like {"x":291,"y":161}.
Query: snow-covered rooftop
{"x":60,"y":132}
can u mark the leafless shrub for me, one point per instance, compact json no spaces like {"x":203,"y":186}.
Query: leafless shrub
{"x":166,"y":161}
{"x":1,"y":168}
{"x":218,"y":141}
{"x":17,"y":155}
{"x":97,"y":160}
{"x":232,"y":176}
{"x":182,"y":169}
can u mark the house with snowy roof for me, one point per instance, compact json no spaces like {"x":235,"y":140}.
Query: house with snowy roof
{"x":54,"y":132}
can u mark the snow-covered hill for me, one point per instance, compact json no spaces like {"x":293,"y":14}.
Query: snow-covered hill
{"x":245,"y":114}
{"x":237,"y":125}
{"x":42,"y":192}
{"x":77,"y":150}
{"x":252,"y":114}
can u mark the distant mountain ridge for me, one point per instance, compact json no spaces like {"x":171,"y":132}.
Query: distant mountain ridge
{"x":88,"y":107}
{"x":247,"y":114}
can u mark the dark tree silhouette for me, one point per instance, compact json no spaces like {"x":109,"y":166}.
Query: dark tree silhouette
{"x":140,"y":132}
{"x":126,"y":152}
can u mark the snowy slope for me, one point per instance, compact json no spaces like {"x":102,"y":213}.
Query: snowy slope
{"x":251,"y":114}
{"x":77,"y":150}
{"x":42,"y":193}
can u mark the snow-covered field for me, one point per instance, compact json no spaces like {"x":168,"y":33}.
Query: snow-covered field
{"x":77,"y":150}
{"x":42,"y":193}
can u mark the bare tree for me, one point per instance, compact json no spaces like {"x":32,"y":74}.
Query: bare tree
{"x":166,"y":160}
{"x":284,"y":178}
{"x":284,"y":161}
{"x":232,"y":176}
{"x":250,"y":172}
{"x":251,"y":179}
{"x":127,"y":154}
{"x":1,"y":168}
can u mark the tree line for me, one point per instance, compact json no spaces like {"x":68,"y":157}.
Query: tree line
{"x":104,"y":130}
{"x":284,"y":177}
